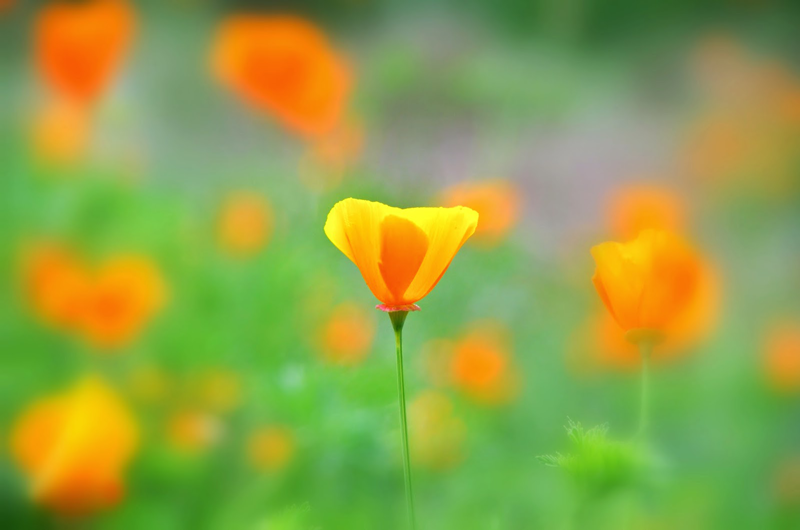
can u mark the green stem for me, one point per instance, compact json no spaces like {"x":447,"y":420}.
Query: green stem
{"x":645,"y":348}
{"x":398,"y":319}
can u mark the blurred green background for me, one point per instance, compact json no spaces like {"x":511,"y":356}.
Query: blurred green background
{"x":569,"y":102}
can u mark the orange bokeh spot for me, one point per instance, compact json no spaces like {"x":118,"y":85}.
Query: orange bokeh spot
{"x":285,"y":66}
{"x":271,"y":448}
{"x":78,"y":46}
{"x":60,"y":132}
{"x":346,"y":337}
{"x":782,"y":358}
{"x":245,"y":224}
{"x":632,"y":209}
{"x":498,"y":205}
{"x":193,"y":431}
{"x":481,"y":365}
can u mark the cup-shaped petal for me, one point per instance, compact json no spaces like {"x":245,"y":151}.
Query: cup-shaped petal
{"x":401,"y":253}
{"x":648,"y":283}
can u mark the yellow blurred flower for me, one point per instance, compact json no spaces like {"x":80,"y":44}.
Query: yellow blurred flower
{"x":437,"y":434}
{"x":74,"y":448}
{"x":481,"y":365}
{"x":346,"y":337}
{"x":284,"y":65}
{"x":401,"y":253}
{"x":782,"y":358}
{"x":78,"y":46}
{"x":271,"y":448}
{"x":498,"y":203}
{"x":60,"y":132}
{"x":632,"y":209}
{"x":245,"y":223}
{"x":649,"y":284}
{"x":194,"y":431}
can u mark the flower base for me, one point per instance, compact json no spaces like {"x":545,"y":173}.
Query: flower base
{"x":391,"y":309}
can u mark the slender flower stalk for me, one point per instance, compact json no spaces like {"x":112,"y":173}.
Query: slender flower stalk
{"x":398,"y":318}
{"x":646,"y":349}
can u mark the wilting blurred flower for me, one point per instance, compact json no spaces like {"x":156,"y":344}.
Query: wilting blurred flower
{"x":650,"y":283}
{"x":245,"y":223}
{"x":346,"y":337}
{"x":437,"y":434}
{"x":194,"y":431}
{"x":782,"y":358}
{"x":220,"y":390}
{"x":481,"y":365}
{"x":79,"y":46}
{"x":635,"y":208}
{"x":330,"y":156}
{"x":271,"y":448}
{"x":55,"y":282}
{"x":285,"y":66}
{"x":122,"y":297}
{"x":401,"y":253}
{"x":74,"y":448}
{"x":60,"y":132}
{"x":497,"y":202}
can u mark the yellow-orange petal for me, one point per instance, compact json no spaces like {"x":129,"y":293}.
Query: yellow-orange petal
{"x":401,"y":253}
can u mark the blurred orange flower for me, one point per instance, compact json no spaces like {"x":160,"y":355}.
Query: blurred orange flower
{"x":193,"y":431}
{"x":123,"y":295}
{"x":75,"y":446}
{"x":782,"y":358}
{"x":79,"y":46}
{"x":271,"y":448}
{"x":481,"y":365}
{"x":55,"y":282}
{"x":650,"y":283}
{"x":346,"y":337}
{"x":60,"y":132}
{"x":437,"y":434}
{"x":401,"y":253}
{"x":245,"y":223}
{"x":632,"y":209}
{"x":498,"y":203}
{"x":284,"y":65}
{"x":107,"y":307}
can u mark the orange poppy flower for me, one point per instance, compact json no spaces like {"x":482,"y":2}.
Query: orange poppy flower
{"x":55,"y":282}
{"x":437,"y":434}
{"x":285,"y":66}
{"x":74,"y":448}
{"x":121,"y":298}
{"x":245,"y":223}
{"x":496,"y":201}
{"x":481,"y":366}
{"x":271,"y":448}
{"x":782,"y":358}
{"x":346,"y":337}
{"x":401,"y":253}
{"x":78,"y":47}
{"x":632,"y":209}
{"x":650,"y":283}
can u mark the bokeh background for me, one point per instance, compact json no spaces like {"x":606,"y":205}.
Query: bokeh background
{"x":224,"y":361}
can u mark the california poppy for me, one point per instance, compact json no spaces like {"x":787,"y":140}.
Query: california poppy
{"x":78,"y":46}
{"x":648,"y":284}
{"x":497,"y":202}
{"x":283,"y":65}
{"x":74,"y":448}
{"x":122,"y":296}
{"x":401,"y":253}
